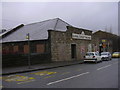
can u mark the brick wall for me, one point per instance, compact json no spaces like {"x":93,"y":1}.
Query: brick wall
{"x":19,"y":56}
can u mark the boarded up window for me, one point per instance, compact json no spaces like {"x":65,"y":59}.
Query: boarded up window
{"x":11,"y":49}
{"x":5,"y":50}
{"x":26,"y":49}
{"x":40,"y":48}
{"x":15,"y":49}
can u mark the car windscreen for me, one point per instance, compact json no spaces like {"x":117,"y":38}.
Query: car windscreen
{"x":104,"y":53}
{"x":89,"y":54}
{"x":116,"y":53}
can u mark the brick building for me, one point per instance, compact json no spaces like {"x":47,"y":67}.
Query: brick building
{"x":105,"y":41}
{"x":50,"y":40}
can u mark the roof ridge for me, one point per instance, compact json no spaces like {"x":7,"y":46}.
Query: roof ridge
{"x":56,"y":23}
{"x":57,"y":19}
{"x":64,"y":21}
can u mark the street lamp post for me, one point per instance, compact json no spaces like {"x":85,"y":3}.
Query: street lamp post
{"x":28,"y":37}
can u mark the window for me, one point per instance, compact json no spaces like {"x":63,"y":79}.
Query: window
{"x":11,"y":49}
{"x":97,"y":53}
{"x":26,"y":49}
{"x":40,"y":48}
{"x":89,"y":54}
{"x":15,"y":49}
{"x":5,"y":50}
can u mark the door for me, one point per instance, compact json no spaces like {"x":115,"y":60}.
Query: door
{"x":73,"y":51}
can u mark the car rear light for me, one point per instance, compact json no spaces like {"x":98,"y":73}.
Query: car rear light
{"x":93,"y":56}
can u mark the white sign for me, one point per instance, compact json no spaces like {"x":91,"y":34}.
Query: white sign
{"x":82,"y":33}
{"x":81,"y":36}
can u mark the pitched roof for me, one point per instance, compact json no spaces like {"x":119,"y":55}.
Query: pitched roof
{"x":37,"y":30}
{"x":104,"y":32}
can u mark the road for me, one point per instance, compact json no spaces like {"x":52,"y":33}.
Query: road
{"x":86,"y":75}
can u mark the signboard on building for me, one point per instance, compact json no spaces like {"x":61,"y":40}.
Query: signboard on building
{"x":81,"y":36}
{"x":103,"y":40}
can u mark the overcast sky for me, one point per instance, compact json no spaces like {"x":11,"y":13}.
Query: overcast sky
{"x":89,"y":15}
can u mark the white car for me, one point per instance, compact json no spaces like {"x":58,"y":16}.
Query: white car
{"x":106,"y":56}
{"x":92,"y":57}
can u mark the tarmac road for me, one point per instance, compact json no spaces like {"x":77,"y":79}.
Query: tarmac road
{"x":87,"y":75}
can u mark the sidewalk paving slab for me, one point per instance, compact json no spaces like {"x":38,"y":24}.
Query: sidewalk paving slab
{"x":24,"y":69}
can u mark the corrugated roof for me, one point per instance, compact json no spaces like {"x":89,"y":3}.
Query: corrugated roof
{"x":37,"y":31}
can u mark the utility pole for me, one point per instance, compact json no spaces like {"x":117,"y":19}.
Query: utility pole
{"x":28,"y":37}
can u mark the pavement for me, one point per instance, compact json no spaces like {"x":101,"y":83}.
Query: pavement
{"x":24,"y":69}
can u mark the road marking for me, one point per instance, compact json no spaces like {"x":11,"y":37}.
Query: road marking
{"x":14,"y":78}
{"x":67,"y":78}
{"x":43,"y":73}
{"x":25,"y":82}
{"x":104,"y":67}
{"x":65,"y":73}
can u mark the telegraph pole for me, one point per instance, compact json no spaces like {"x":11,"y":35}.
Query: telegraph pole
{"x":28,"y":37}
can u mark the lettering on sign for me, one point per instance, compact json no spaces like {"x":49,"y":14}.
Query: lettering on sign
{"x":81,"y":36}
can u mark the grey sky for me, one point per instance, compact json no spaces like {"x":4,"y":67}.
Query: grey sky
{"x":89,"y":15}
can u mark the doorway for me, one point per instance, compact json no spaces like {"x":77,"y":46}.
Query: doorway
{"x":73,"y":51}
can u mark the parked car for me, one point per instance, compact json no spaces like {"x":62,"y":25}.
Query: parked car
{"x":92,"y":57}
{"x":106,"y":56}
{"x":116,"y":55}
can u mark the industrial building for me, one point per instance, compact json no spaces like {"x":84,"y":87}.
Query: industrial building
{"x":48,"y":41}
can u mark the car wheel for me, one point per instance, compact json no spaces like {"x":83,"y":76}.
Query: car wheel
{"x":109,"y":58}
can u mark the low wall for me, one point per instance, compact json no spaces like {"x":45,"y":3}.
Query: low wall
{"x":22,"y":59}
